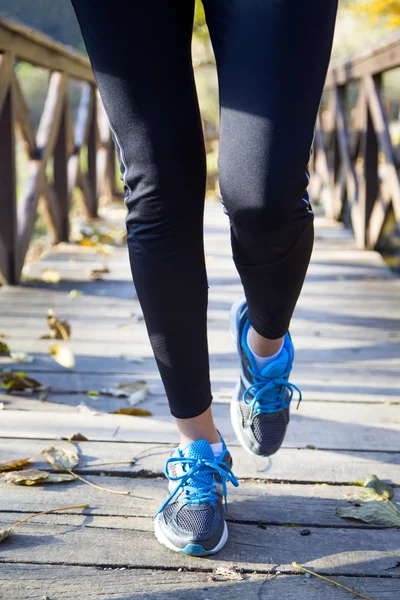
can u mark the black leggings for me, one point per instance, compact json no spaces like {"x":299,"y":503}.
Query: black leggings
{"x":272,"y":57}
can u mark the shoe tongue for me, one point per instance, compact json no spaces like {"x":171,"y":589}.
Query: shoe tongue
{"x":198,"y":449}
{"x":277,"y":367}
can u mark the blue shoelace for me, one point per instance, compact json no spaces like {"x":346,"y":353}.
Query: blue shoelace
{"x":268,"y":395}
{"x":200,"y":490}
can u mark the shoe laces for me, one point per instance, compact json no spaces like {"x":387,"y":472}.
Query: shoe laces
{"x":267,"y":395}
{"x":198,"y":480}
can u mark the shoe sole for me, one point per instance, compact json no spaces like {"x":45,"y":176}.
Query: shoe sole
{"x":190,"y":549}
{"x":235,"y":416}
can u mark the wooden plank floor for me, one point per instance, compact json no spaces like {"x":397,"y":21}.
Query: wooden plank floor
{"x":346,"y":332}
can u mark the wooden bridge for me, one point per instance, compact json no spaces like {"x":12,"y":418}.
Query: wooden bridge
{"x":345,"y":329}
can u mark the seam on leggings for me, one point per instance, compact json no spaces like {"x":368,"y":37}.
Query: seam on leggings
{"x":121,"y":153}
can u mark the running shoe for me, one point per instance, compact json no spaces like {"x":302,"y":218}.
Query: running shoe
{"x":191,"y":520}
{"x":261,"y":401}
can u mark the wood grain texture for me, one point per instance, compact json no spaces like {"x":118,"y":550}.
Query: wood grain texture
{"x":311,"y":466}
{"x":273,"y":503}
{"x":103,"y":541}
{"x":35,"y":582}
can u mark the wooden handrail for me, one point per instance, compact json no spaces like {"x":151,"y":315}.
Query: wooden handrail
{"x":38,"y":49}
{"x":56,"y":139}
{"x":354,"y":166}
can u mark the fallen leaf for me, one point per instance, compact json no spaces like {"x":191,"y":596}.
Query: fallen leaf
{"x":27,"y":477}
{"x":22,"y":357}
{"x":227,"y":574}
{"x":78,"y":437}
{"x":60,"y":477}
{"x":15,"y":463}
{"x":62,"y":355}
{"x":97,"y":273}
{"x":376,"y":512}
{"x":51,"y":276}
{"x":18,"y":381}
{"x":133,"y":412}
{"x":4,"y":349}
{"x":373,"y":489}
{"x":59,"y":330}
{"x":137,"y":390}
{"x":75,"y":293}
{"x":5,"y":533}
{"x":2,"y":335}
{"x":61,"y":457}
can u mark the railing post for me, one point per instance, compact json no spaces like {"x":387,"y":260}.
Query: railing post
{"x":8,"y":187}
{"x":61,"y":172}
{"x":92,"y":154}
{"x":369,"y":184}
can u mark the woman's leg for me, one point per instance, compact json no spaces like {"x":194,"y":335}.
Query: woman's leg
{"x":146,"y":82}
{"x":272,"y":57}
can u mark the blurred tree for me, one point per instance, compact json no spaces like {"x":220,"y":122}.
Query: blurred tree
{"x":388,"y":10}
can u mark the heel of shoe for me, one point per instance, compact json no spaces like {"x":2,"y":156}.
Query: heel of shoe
{"x":233,"y":319}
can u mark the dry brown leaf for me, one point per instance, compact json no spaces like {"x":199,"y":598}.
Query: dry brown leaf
{"x":64,"y":458}
{"x":4,"y":349}
{"x":2,"y":335}
{"x":132,"y":412}
{"x":14,"y":464}
{"x":97,"y":273}
{"x":18,"y":381}
{"x":62,"y":355}
{"x":78,"y":437}
{"x":27,"y":477}
{"x":51,"y":276}
{"x":59,"y":330}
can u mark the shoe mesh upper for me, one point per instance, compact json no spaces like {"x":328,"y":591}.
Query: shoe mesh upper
{"x":196,"y":521}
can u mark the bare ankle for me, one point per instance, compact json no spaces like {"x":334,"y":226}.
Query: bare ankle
{"x":201,"y":427}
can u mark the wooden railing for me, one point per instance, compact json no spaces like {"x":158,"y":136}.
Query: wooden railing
{"x":354,"y":167}
{"x":57,"y":145}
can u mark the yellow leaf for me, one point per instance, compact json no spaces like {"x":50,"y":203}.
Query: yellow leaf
{"x":51,"y":276}
{"x":16,"y":463}
{"x":4,"y":349}
{"x":27,"y":477}
{"x":61,"y":458}
{"x":18,"y":381}
{"x":93,"y":393}
{"x":75,"y":293}
{"x":62,"y":355}
{"x":133,"y":412}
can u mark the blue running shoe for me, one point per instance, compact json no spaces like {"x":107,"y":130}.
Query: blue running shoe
{"x":261,"y":401}
{"x":191,"y":520}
